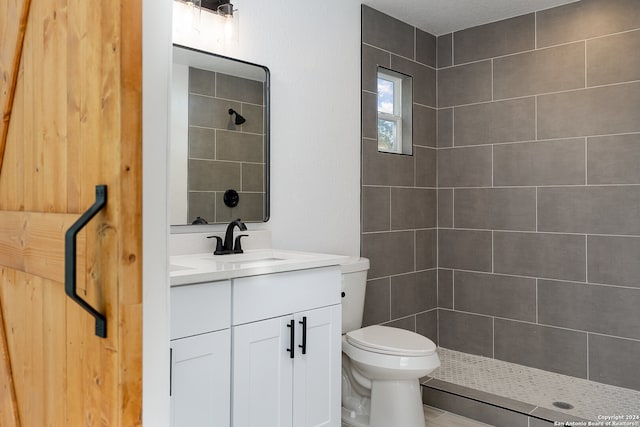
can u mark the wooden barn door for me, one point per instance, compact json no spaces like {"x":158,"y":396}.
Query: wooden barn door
{"x":70,"y":94}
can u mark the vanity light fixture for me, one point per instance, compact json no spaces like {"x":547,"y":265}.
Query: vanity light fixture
{"x":221,"y":7}
{"x":239,"y":119}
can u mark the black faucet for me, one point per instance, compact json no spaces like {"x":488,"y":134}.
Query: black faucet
{"x":228,"y":247}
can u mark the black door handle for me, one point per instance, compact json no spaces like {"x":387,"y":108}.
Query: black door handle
{"x":70,"y":259}
{"x":292,"y":338}
{"x":304,"y":335}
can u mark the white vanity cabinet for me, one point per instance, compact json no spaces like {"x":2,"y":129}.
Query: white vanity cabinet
{"x":200,"y":355}
{"x":257,"y":351}
{"x":275,"y":318}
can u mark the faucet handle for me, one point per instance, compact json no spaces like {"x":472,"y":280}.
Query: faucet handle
{"x":219,"y":249}
{"x":237,"y":247}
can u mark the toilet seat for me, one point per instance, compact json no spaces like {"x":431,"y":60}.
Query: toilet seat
{"x":391,"y":341}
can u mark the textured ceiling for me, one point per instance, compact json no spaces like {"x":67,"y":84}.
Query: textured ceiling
{"x":445,"y":16}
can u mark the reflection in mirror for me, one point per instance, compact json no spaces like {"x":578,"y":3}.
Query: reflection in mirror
{"x":219,"y":148}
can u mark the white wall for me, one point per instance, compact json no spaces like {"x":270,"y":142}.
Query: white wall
{"x":156,"y":58}
{"x":313,"y":52}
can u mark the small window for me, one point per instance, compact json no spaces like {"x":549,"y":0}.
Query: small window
{"x":394,"y":112}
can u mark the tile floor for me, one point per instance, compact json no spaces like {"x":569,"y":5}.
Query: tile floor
{"x":439,"y":418}
{"x":534,"y":386}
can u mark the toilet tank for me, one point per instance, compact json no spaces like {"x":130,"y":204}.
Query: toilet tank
{"x":354,"y":283}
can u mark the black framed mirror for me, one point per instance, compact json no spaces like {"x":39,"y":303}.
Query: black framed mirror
{"x":219,"y":140}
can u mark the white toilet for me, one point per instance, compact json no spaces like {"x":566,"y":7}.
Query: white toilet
{"x":381,"y":366}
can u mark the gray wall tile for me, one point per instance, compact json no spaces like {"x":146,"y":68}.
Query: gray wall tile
{"x":210,"y":175}
{"x":587,"y":18}
{"x":239,"y":146}
{"x":252,"y":177}
{"x":201,"y":204}
{"x":614,"y":260}
{"x":376,"y":208}
{"x":408,"y":323}
{"x":413,"y":293}
{"x":424,"y":79}
{"x":554,"y":256}
{"x":464,"y":84}
{"x":553,"y":162}
{"x":495,"y":208}
{"x":250,"y":208}
{"x":210,"y":112}
{"x":390,"y":253}
{"x":445,"y":127}
{"x":371,"y":58}
{"x":488,"y":414}
{"x":589,"y":112}
{"x":495,"y":295}
{"x":386,"y":32}
{"x":424,"y":126}
{"x":202,"y":82}
{"x":594,"y":308}
{"x":384,"y":168}
{"x":239,"y":89}
{"x":539,"y":71}
{"x":469,"y":333}
{"x":427,"y":325}
{"x":613,"y":59}
{"x":614,"y":361}
{"x":591,"y":210}
{"x":413,"y":208}
{"x":202,"y":143}
{"x":426,"y":249}
{"x":445,"y":288}
{"x":445,"y":208}
{"x":542,"y":347}
{"x":464,"y":249}
{"x":444,"y":50}
{"x":464,"y":167}
{"x":376,"y":302}
{"x":425,"y":48}
{"x":502,"y":121}
{"x":613,"y":159}
{"x":495,"y":39}
{"x":426,"y":166}
{"x":369,"y":115}
{"x":255,"y":119}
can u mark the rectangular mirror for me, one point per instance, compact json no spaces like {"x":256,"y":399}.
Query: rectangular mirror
{"x":219,"y":144}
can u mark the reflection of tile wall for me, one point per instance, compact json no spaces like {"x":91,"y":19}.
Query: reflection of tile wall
{"x":399,"y":192}
{"x":222,"y":155}
{"x":539,"y":190}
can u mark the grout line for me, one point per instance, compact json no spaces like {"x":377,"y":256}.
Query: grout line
{"x":492,"y":164}
{"x":398,"y":55}
{"x":492,"y":252}
{"x":453,"y":208}
{"x":530,"y":141}
{"x":586,"y":161}
{"x":492,"y":78}
{"x":537,"y":305}
{"x":453,"y":289}
{"x":493,"y":338}
{"x":588,"y":355}
{"x":586,"y":258}
{"x":538,"y":185}
{"x":631,"y":236}
{"x":535,"y":118}
{"x":536,"y":209}
{"x":586,"y":82}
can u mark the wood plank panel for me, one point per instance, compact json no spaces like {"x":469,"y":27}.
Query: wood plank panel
{"x":33,"y":242}
{"x":11,"y":38}
{"x":9,"y":414}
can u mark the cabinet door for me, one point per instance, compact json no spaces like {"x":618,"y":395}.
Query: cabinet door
{"x":200,"y":380}
{"x":317,"y":374}
{"x":262,"y":374}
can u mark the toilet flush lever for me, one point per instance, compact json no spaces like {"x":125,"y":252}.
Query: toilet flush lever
{"x":304,"y":335}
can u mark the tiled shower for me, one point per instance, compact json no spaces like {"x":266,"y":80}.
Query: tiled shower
{"x":513,"y":232}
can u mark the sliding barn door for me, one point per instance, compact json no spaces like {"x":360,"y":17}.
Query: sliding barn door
{"x":70,"y":94}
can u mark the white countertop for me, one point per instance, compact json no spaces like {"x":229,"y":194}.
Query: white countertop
{"x":205,"y":267}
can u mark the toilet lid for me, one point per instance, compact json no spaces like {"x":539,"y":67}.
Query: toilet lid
{"x":388,"y":340}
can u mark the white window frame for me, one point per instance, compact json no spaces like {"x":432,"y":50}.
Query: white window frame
{"x":402,"y":111}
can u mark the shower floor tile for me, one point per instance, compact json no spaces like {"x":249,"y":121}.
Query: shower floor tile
{"x":535,"y":387}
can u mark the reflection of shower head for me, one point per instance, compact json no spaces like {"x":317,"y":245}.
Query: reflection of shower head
{"x":239,"y":119}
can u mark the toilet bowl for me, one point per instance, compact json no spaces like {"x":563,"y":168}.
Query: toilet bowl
{"x":381,"y":365}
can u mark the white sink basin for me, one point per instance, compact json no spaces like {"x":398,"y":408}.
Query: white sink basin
{"x":208,"y":267}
